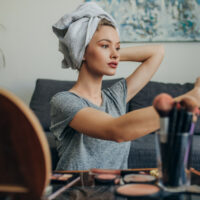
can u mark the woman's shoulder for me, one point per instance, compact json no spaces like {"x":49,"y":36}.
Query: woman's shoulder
{"x":118,"y":87}
{"x":65,"y":96}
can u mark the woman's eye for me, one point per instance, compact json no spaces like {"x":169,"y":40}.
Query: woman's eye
{"x":118,"y":48}
{"x":104,"y":46}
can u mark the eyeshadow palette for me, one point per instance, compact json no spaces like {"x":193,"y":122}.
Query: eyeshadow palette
{"x":62,"y":178}
{"x":89,"y":188}
{"x":138,"y":190}
{"x":139,"y":178}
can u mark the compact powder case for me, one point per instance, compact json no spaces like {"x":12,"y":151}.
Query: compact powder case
{"x":139,"y":178}
{"x":105,"y":179}
{"x":139,"y":191}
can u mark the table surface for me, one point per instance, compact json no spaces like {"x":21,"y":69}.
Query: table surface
{"x":82,"y":187}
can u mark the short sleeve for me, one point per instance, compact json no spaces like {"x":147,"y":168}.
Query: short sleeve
{"x":119,"y":87}
{"x":118,"y":94}
{"x":64,"y":106}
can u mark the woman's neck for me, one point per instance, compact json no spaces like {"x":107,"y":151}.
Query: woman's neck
{"x":89,"y":87}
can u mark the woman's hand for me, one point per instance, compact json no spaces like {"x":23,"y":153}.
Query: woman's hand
{"x":194,"y":93}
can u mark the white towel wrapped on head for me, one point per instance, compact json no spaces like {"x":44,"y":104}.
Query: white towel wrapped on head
{"x":75,"y":30}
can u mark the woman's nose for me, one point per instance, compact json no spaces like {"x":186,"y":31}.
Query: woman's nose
{"x":114,"y":54}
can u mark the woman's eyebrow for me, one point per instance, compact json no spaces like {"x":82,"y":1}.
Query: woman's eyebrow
{"x":107,"y":41}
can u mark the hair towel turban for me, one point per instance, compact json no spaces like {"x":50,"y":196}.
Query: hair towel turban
{"x":75,"y":31}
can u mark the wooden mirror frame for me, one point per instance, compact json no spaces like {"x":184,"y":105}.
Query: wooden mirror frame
{"x":25,"y":162}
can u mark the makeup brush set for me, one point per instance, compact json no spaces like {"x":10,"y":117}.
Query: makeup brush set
{"x":174,"y":143}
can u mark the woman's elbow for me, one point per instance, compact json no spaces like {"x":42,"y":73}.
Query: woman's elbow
{"x":161,"y":51}
{"x":117,"y":138}
{"x":117,"y":134}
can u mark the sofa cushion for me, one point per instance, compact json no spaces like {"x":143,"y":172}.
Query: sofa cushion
{"x":43,"y":92}
{"x":146,"y":96}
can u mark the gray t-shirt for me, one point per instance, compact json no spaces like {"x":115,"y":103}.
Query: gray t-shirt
{"x":81,"y":152}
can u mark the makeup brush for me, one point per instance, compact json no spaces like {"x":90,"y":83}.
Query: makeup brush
{"x":187,"y":122}
{"x":180,"y":119}
{"x":191,"y":106}
{"x":173,"y":118}
{"x":164,"y":104}
{"x":175,"y":125}
{"x":183,"y":141}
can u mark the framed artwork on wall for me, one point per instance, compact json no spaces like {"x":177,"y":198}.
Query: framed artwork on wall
{"x":155,"y":20}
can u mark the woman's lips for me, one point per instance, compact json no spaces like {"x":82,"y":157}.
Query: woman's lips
{"x":113,"y":64}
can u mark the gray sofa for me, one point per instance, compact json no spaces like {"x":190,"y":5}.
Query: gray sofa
{"x":142,"y":153}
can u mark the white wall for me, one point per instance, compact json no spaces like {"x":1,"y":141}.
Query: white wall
{"x":30,"y":48}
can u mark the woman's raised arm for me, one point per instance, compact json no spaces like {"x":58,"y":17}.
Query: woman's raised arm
{"x":150,"y":57}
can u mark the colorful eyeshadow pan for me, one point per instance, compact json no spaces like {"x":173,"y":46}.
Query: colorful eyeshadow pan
{"x":138,"y":190}
{"x":139,"y":178}
{"x":106,"y":179}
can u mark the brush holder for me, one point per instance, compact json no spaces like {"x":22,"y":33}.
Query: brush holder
{"x":173,"y":159}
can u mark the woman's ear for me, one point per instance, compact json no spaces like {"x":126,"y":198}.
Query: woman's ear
{"x":84,"y":56}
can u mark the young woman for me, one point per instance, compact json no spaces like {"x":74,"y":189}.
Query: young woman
{"x":90,"y":124}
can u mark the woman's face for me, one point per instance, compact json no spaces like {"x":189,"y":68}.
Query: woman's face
{"x":102,"y":54}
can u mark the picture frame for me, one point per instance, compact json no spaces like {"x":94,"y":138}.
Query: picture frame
{"x":155,"y":20}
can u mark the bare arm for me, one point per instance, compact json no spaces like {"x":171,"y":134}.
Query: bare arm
{"x":127,"y":127}
{"x":150,"y":57}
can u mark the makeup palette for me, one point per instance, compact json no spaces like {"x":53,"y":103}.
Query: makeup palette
{"x":139,"y":178}
{"x":138,"y":191}
{"x":105,"y":179}
{"x":60,"y":178}
{"x":101,"y":186}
